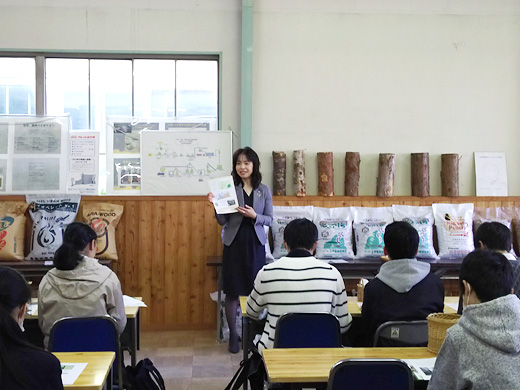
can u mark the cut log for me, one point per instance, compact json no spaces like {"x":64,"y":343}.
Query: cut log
{"x":325,"y":174}
{"x":385,"y":180}
{"x":420,"y":174}
{"x":279,"y":171}
{"x":352,"y":162}
{"x":450,"y":174}
{"x":300,"y":187}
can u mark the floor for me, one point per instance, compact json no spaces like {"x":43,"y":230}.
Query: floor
{"x":190,"y":360}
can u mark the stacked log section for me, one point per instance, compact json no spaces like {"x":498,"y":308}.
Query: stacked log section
{"x":385,"y":179}
{"x":279,"y":173}
{"x":300,"y":188}
{"x":420,"y":174}
{"x":352,"y":162}
{"x":325,"y":174}
{"x":450,"y":174}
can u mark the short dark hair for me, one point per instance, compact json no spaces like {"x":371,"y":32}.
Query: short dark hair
{"x":300,"y":233}
{"x":250,"y":154}
{"x":401,"y":240}
{"x":494,"y":235}
{"x":489,"y":273}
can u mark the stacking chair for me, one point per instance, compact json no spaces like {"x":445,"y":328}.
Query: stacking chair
{"x":88,"y":334}
{"x":402,"y":334}
{"x":307,"y":330}
{"x":370,"y":374}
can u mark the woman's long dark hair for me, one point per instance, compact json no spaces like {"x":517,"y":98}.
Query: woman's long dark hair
{"x":250,"y":154}
{"x":76,"y":238}
{"x":14,"y":293}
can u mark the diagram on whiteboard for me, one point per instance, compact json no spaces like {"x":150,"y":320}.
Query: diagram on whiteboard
{"x":181,"y":163}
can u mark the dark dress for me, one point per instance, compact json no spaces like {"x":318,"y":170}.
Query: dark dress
{"x":242,"y":260}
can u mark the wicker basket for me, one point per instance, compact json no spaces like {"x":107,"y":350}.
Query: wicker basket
{"x":438,"y":324}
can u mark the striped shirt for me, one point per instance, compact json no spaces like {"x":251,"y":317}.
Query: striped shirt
{"x":297,"y":284}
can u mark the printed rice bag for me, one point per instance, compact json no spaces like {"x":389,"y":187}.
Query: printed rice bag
{"x":50,"y":214}
{"x":334,"y":232}
{"x":504,"y":215}
{"x":421,"y":218}
{"x":454,"y":224}
{"x":104,"y":217}
{"x":12,"y":230}
{"x":369,"y":229}
{"x":282,"y":215}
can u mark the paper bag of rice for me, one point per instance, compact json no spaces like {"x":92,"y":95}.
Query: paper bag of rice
{"x":334,"y":232}
{"x":50,"y":214}
{"x":503,"y":215}
{"x":104,"y":217}
{"x":421,"y":218}
{"x":369,"y":229}
{"x":454,"y":224}
{"x":282,"y":215}
{"x":12,"y":230}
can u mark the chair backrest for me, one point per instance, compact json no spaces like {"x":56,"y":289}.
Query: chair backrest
{"x":370,"y":374}
{"x":307,"y":330}
{"x":87,"y":334}
{"x":402,"y":334}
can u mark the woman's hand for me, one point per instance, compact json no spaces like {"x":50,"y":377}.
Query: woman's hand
{"x":247,"y":211}
{"x":210,"y":197}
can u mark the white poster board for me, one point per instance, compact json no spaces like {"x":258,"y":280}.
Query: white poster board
{"x":83,"y":167}
{"x":33,"y":154}
{"x":182,"y":162}
{"x":491,"y":173}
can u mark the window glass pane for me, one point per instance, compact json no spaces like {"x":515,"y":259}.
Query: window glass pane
{"x":154,"y":88}
{"x":110,"y":93}
{"x":197,"y":88}
{"x":66,"y":89}
{"x":17,"y":82}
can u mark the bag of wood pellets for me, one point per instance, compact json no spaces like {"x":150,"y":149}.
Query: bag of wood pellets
{"x":12,"y":230}
{"x":51,"y":215}
{"x":334,"y":232}
{"x":454,"y":224}
{"x":282,"y":215}
{"x":104,"y":217}
{"x":369,"y":229}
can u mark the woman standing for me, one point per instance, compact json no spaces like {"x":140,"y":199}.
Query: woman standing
{"x":22,"y":365}
{"x":79,"y":286}
{"x":244,"y":235}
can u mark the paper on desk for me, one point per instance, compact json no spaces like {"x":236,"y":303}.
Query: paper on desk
{"x":132,"y":302}
{"x":225,"y":200}
{"x":71,"y":371}
{"x":32,"y":308}
{"x":421,"y":368}
{"x":454,"y":306}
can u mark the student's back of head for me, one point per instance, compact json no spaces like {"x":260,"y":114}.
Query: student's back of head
{"x":300,"y":234}
{"x":76,"y":239}
{"x":488,"y":272}
{"x":494,"y":236}
{"x":401,"y":240}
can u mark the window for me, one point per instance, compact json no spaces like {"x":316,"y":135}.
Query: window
{"x":17,"y":86}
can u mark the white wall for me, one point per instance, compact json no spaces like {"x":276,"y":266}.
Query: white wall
{"x":372,"y":76}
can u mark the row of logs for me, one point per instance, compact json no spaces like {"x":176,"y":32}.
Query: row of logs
{"x":420,"y":163}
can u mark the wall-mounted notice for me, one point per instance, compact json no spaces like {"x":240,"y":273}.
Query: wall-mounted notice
{"x":83,"y":172}
{"x":491,"y":173}
{"x":182,"y":162}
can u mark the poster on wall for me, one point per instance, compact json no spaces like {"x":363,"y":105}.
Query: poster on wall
{"x":33,"y":154}
{"x":182,"y":162}
{"x":491,"y":173}
{"x":83,"y":164}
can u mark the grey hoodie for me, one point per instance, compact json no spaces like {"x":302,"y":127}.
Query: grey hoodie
{"x":402,"y":274}
{"x":90,"y":289}
{"x":481,"y":351}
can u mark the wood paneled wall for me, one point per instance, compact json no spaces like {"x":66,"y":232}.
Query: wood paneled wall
{"x":163,"y":243}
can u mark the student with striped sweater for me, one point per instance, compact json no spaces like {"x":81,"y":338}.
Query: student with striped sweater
{"x":297,"y":283}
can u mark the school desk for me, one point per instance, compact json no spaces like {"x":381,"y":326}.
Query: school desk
{"x":95,"y":375}
{"x":312,"y":365}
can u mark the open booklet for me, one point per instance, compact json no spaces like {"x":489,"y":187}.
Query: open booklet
{"x":225,"y":200}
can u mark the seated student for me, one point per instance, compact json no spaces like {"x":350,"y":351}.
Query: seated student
{"x":497,"y":237}
{"x":297,"y":283}
{"x":482,"y":351}
{"x":404,"y":289}
{"x":22,"y":365}
{"x":79,"y":286}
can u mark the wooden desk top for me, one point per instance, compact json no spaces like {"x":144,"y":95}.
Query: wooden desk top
{"x":355,"y":309}
{"x":303,"y":365}
{"x":95,"y":373}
